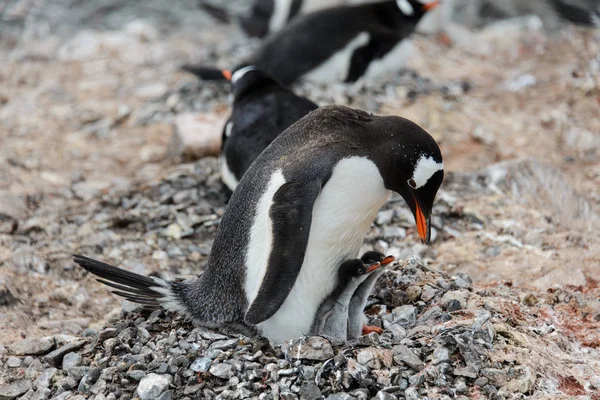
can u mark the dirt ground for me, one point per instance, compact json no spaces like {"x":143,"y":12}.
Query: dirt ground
{"x":79,"y":125}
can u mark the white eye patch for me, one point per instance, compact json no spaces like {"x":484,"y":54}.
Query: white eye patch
{"x":426,"y":167}
{"x":237,"y":75}
{"x":405,"y":7}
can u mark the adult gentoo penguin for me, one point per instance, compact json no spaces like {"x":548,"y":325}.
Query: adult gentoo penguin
{"x":300,"y":210}
{"x":262,"y":109}
{"x":333,"y":315}
{"x":338,"y":44}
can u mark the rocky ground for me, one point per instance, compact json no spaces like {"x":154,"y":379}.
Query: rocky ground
{"x":89,"y":97}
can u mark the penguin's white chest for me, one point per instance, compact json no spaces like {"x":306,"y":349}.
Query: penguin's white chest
{"x":342,"y":214}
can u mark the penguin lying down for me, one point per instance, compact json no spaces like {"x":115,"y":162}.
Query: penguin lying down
{"x":341,"y":315}
{"x":302,"y":208}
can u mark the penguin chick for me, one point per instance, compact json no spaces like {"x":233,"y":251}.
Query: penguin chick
{"x":332,"y":316}
{"x":302,"y":208}
{"x":356,"y":317}
{"x":262,"y":109}
{"x":338,"y":44}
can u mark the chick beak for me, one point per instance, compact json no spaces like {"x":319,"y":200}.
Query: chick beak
{"x":422,"y":224}
{"x":226,"y":74}
{"x":373,"y":268}
{"x":431,"y":5}
{"x":388,"y":260}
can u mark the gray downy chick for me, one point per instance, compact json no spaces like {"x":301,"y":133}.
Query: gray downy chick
{"x":332,"y":316}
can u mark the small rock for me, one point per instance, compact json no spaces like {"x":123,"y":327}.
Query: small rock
{"x":45,"y":379}
{"x":530,"y":299}
{"x":13,"y":390}
{"x":356,"y":370}
{"x":481,"y":382}
{"x":381,"y":395}
{"x":411,"y":394}
{"x":201,"y":364}
{"x":87,"y":190}
{"x":310,"y":391}
{"x":57,"y":355}
{"x":89,"y":379}
{"x":71,"y":360}
{"x":312,"y":348}
{"x":428,"y":293}
{"x":441,"y":354}
{"x":13,"y":362}
{"x":365,"y":356}
{"x":394,"y":232}
{"x":384,"y":217}
{"x":413,"y":292}
{"x":404,"y":354}
{"x":136,"y":374}
{"x":196,"y":136}
{"x":152,"y":386}
{"x":460,"y":296}
{"x":224,"y":344}
{"x":469,"y":371}
{"x":223,"y":370}
{"x":340,"y":396}
{"x":454,"y":305}
{"x":405,"y":315}
{"x":397,"y":331}
{"x":34,"y":347}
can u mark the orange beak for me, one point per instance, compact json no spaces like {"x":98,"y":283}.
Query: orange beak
{"x":227,"y":74}
{"x":431,"y":5}
{"x":388,"y":260}
{"x":421,"y":224}
{"x":373,"y":267}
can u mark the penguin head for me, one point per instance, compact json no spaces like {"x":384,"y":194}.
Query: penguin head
{"x":411,"y":165}
{"x":415,"y":9}
{"x":246,"y":78}
{"x":372,"y":257}
{"x":355,"y":268}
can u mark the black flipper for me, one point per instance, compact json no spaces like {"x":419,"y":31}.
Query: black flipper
{"x":205,"y":73}
{"x":291,"y":214}
{"x":134,"y":287}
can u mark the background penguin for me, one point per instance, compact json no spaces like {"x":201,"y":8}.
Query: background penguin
{"x":262,"y":109}
{"x":333,"y":317}
{"x":302,"y":208}
{"x":338,"y":44}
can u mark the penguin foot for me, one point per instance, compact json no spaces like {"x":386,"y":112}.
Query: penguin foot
{"x":369,"y":329}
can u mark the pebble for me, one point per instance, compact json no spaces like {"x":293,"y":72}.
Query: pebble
{"x":152,"y":386}
{"x":45,"y":379}
{"x":413,"y":292}
{"x":13,"y":362}
{"x":15,"y":389}
{"x":71,"y":360}
{"x":340,"y":396}
{"x":404,"y":354}
{"x":89,"y":379}
{"x":405,"y":315}
{"x":312,"y":348}
{"x":381,"y":395}
{"x":459,"y":296}
{"x":223,"y":370}
{"x":201,"y":364}
{"x":56,"y":357}
{"x":441,"y":354}
{"x":34,"y":347}
{"x":469,"y":371}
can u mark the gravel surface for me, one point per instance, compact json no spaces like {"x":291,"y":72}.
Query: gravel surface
{"x":503,"y":303}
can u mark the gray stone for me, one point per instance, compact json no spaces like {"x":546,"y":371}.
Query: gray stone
{"x":312,"y":348}
{"x":57,"y":355}
{"x":384,"y":217}
{"x":71,"y":360}
{"x":107,"y":333}
{"x":356,"y":370}
{"x":340,"y":396}
{"x":223,"y":370}
{"x":152,"y":386}
{"x":459,"y":295}
{"x":63,"y":396}
{"x":373,"y":357}
{"x":469,"y":371}
{"x":13,"y":362}
{"x":310,"y":391}
{"x":44,"y":380}
{"x":224,"y":344}
{"x":441,"y":354}
{"x":405,"y":315}
{"x":411,"y":394}
{"x":201,"y":364}
{"x":195,"y":136}
{"x":390,"y":232}
{"x":404,"y":354}
{"x":89,"y":379}
{"x":413,"y":292}
{"x":428,"y":293}
{"x":15,"y":389}
{"x":34,"y":347}
{"x":168,"y":395}
{"x":397,"y":331}
{"x":136,"y":374}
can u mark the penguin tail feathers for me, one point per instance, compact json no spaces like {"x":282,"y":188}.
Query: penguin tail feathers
{"x":205,"y":73}
{"x":577,"y":14}
{"x":151,"y":292}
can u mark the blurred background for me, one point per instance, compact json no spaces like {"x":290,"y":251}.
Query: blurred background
{"x":99,"y":154}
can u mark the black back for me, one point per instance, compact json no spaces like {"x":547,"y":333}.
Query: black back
{"x":311,"y":39}
{"x":262,"y":109}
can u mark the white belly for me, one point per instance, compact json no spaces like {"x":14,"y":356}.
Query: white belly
{"x":226,"y":175}
{"x":336,"y":67}
{"x":342,"y":214}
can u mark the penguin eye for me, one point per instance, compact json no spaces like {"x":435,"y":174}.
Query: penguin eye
{"x":412,"y":183}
